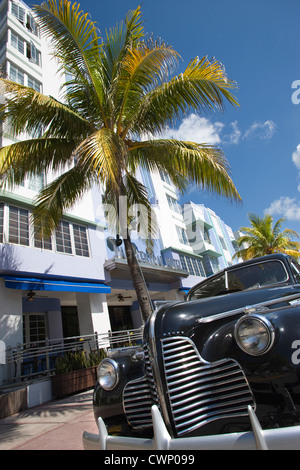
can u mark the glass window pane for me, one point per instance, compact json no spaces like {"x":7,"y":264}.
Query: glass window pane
{"x":63,"y":238}
{"x":18,"y":226}
{"x":80,"y":241}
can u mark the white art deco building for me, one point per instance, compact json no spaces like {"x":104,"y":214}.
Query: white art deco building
{"x":78,"y":283}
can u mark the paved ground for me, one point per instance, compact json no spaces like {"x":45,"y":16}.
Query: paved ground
{"x":56,"y":425}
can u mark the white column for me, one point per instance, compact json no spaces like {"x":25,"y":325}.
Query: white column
{"x":92,"y":313}
{"x":11,"y":314}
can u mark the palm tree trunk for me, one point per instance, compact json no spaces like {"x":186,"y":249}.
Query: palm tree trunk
{"x":138,"y":280}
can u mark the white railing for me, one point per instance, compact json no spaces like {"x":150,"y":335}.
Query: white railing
{"x":31,"y":360}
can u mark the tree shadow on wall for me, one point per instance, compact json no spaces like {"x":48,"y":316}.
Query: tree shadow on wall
{"x":9,"y":259}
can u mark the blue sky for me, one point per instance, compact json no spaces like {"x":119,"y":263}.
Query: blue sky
{"x":258,"y":43}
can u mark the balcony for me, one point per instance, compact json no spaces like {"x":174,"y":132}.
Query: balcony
{"x":205,"y":248}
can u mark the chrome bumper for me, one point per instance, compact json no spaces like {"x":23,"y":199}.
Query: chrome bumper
{"x":271,"y":439}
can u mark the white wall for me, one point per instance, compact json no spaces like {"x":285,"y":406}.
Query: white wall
{"x":92,"y":313}
{"x":10,"y":320}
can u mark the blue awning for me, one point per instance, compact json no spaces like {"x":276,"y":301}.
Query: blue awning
{"x":184,"y":289}
{"x":55,"y":285}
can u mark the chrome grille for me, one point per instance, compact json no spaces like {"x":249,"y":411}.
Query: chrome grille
{"x":200,"y":392}
{"x":137,"y":403}
{"x":139,"y":396}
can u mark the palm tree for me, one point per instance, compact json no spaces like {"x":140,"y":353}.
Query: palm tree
{"x":121,"y":93}
{"x":264,"y":238}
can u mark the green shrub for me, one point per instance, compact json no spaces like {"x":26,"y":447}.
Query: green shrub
{"x":95,"y":357}
{"x":77,"y":360}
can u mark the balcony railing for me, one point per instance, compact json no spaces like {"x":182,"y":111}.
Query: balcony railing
{"x":34,"y":360}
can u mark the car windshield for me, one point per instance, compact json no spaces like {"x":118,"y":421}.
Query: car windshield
{"x":245,"y":277}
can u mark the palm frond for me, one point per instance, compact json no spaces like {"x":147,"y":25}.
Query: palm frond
{"x":59,"y":196}
{"x":74,"y":36}
{"x":210,"y":83}
{"x":32,"y":112}
{"x":290,"y":233}
{"x":187,"y":162}
{"x":77,"y":45}
{"x":204,"y":85}
{"x":121,"y":38}
{"x":102,"y":153}
{"x":143,"y":69}
{"x":262,"y":238}
{"x":32,"y":157}
{"x":134,"y":28}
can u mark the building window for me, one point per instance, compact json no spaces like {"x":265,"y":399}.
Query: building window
{"x":34,"y":328}
{"x":206,"y":235}
{"x":18,"y":226}
{"x":44,"y":243}
{"x":63,"y":238}
{"x":80,"y":241}
{"x":37,"y":182}
{"x":223,"y":244}
{"x":165,"y":177}
{"x":214,"y":264}
{"x":67,"y":238}
{"x":173,"y":204}
{"x":16,"y":75}
{"x":182,"y":235}
{"x":33,"y":54}
{"x":197,"y":267}
{"x":192,"y":265}
{"x":17,"y":42}
{"x":32,"y":83}
{"x":32,"y":25}
{"x":18,"y":12}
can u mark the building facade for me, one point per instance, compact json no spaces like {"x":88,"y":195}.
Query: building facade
{"x":77,"y":282}
{"x":56,"y":287}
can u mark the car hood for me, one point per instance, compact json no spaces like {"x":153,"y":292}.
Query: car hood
{"x":180,"y":317}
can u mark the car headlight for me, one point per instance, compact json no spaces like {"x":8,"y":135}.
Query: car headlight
{"x":108,"y":374}
{"x":254,"y":334}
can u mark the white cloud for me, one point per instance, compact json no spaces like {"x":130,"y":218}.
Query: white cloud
{"x":285,"y":207}
{"x":258,"y":130}
{"x":196,"y":129}
{"x":296,"y":157}
{"x":234,"y":136}
{"x":296,"y":160}
{"x":261,"y":130}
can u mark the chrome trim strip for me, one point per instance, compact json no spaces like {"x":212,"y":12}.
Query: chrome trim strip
{"x":155,"y":368}
{"x":255,"y":308}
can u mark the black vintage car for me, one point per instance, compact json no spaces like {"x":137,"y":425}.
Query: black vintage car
{"x":220,"y":370}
